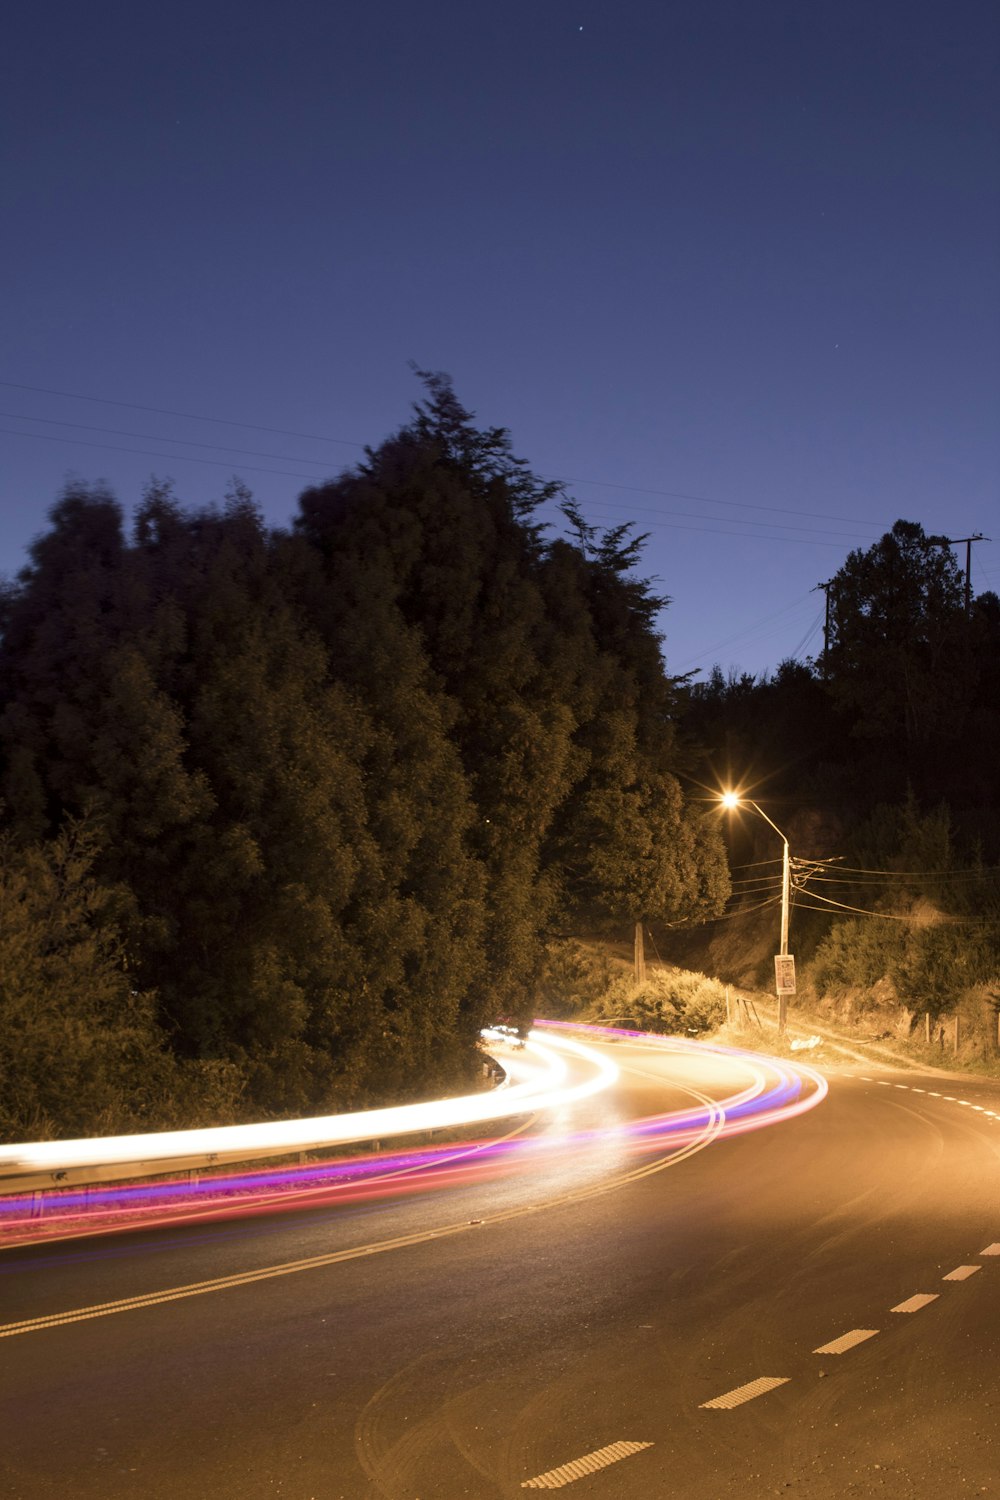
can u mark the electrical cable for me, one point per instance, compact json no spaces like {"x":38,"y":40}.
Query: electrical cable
{"x":743,"y":911}
{"x":189,"y":458}
{"x":156,"y":437}
{"x":163,"y":411}
{"x":353,"y":443}
{"x":919,"y":874}
{"x":840,"y":906}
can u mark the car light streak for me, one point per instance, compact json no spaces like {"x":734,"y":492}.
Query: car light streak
{"x":775,"y":1091}
{"x":543,"y":1088}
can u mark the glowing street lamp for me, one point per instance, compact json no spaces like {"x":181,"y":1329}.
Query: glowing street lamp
{"x":783,"y":972}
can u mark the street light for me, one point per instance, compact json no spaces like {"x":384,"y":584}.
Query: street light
{"x":735,"y":799}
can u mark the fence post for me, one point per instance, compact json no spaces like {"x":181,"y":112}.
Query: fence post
{"x":927,"y":1026}
{"x":728,"y":1015}
{"x":956,"y":1031}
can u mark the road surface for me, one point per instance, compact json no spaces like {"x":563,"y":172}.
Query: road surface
{"x":809,"y":1310}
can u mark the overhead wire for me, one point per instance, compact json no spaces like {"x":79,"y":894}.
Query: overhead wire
{"x":155,"y":437}
{"x":743,"y":911}
{"x":862,"y":911}
{"x":918,"y":874}
{"x":217,"y":463}
{"x":193,"y":416}
{"x":668,"y":518}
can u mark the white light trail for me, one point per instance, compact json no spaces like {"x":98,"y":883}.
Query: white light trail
{"x":540,"y":1066}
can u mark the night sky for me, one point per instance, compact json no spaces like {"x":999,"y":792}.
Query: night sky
{"x":732,"y":270}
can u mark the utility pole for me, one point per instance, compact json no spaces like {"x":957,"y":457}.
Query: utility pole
{"x":786,"y":882}
{"x":735,"y":799}
{"x":826,"y":587}
{"x":957,"y":541}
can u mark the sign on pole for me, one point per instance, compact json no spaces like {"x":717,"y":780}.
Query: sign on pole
{"x":784,"y":973}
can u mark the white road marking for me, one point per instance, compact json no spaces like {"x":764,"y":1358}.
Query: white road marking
{"x":883,"y":1084}
{"x":747,"y":1392}
{"x":916,"y":1302}
{"x":901,"y":1086}
{"x":554,"y":1479}
{"x":961,"y":1273}
{"x":934,"y":1093}
{"x":847,"y":1341}
{"x":915,"y":1090}
{"x":993,"y":1249}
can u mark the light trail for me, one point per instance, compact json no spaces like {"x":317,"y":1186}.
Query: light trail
{"x":776,"y":1091}
{"x":541,"y":1089}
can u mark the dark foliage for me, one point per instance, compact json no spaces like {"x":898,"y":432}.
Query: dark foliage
{"x":344,"y":781}
{"x":882,"y":753}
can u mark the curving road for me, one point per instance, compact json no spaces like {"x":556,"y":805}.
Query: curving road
{"x":693,"y":1308}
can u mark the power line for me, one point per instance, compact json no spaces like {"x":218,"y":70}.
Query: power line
{"x":918,"y":874}
{"x":156,"y":437}
{"x":742,"y":634}
{"x":743,"y":911}
{"x":353,"y":443}
{"x":52,"y":437}
{"x":813,"y":538}
{"x":636,"y":489}
{"x":163,"y":411}
{"x":840,"y":906}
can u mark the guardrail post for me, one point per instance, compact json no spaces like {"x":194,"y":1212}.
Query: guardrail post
{"x":927,"y":1026}
{"x":956,"y":1031}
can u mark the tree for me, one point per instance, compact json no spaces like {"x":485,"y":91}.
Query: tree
{"x":897,"y":655}
{"x":440,"y":518}
{"x":80,"y":1050}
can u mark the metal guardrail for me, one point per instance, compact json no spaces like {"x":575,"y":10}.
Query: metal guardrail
{"x":42,"y":1165}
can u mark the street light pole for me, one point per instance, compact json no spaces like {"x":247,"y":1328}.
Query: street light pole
{"x":733,"y":799}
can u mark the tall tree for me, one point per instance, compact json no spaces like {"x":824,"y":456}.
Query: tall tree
{"x":443,"y":512}
{"x":898,"y":649}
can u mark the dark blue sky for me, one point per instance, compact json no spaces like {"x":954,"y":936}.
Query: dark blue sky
{"x":733,"y":270}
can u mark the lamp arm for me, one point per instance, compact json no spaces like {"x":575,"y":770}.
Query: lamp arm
{"x":764,"y":815}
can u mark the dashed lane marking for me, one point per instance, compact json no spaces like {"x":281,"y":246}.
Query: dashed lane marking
{"x":747,"y":1392}
{"x":910,"y":1088}
{"x":916,"y":1302}
{"x":961,"y":1273}
{"x":554,"y":1479}
{"x":993,"y":1249}
{"x":846,"y":1341}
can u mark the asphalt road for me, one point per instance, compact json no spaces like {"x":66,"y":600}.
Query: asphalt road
{"x":565,"y":1321}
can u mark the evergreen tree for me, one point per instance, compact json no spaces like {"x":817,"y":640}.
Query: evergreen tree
{"x":80,"y":1051}
{"x":897,"y":652}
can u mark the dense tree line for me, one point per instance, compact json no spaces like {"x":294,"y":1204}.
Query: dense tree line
{"x":883,"y":753}
{"x":289,"y":815}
